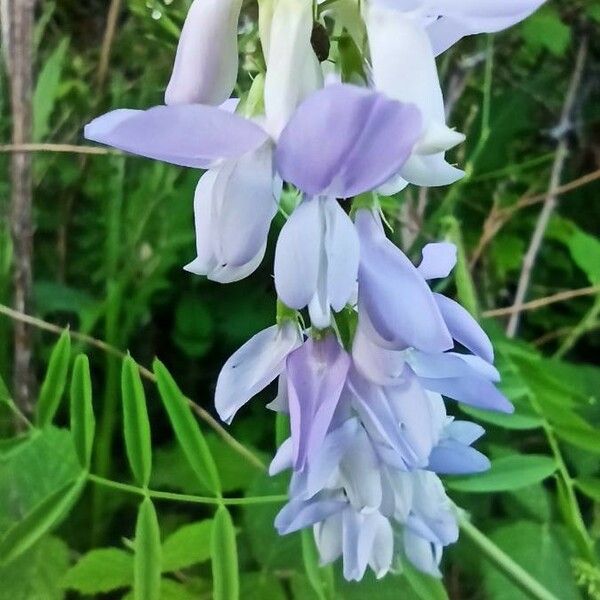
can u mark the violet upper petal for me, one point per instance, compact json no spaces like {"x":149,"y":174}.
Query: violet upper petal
{"x":345,"y":140}
{"x":189,"y":135}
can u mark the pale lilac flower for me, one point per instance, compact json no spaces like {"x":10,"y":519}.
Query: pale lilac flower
{"x":206,"y":64}
{"x":316,"y":259}
{"x":396,"y":305}
{"x":256,"y":364}
{"x":316,"y":374}
{"x":345,"y":140}
{"x":234,"y":205}
{"x":447,"y":21}
{"x":293,"y":70}
{"x":403,"y":68}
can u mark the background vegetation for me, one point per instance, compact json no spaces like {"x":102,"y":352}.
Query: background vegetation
{"x":111,"y":235}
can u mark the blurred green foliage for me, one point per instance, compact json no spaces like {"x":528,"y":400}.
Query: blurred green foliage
{"x":112,"y":234}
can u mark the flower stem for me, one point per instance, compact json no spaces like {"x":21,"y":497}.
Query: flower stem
{"x":132,"y":489}
{"x":503,"y":562}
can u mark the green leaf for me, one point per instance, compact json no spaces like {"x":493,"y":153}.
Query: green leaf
{"x":55,"y":380}
{"x":135,"y":422}
{"x":46,"y":90}
{"x":544,"y":29}
{"x":261,"y":586}
{"x":507,"y":473}
{"x":582,"y":436}
{"x":40,"y":521}
{"x":36,"y":574}
{"x":173,"y":590}
{"x":541,"y":551}
{"x":187,"y":430}
{"x":589,"y":486}
{"x":189,"y":545}
{"x":465,"y":287}
{"x":226,"y":585}
{"x":35,"y":468}
{"x":320,"y":578}
{"x":83,"y":424}
{"x":515,"y":422}
{"x":425,"y":586}
{"x":100,"y":571}
{"x":147,"y":560}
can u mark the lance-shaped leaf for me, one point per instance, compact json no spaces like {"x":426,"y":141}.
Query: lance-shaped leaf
{"x":39,"y":521}
{"x":83,"y":423}
{"x":55,"y":380}
{"x":147,"y":561}
{"x":135,"y":422}
{"x":187,"y":431}
{"x":226,"y":584}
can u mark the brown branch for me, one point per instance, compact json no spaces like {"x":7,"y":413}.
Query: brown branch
{"x":107,"y":41}
{"x":20,"y":15}
{"x":203,"y":414}
{"x":542,"y":302}
{"x":551,"y":200}
{"x":69,"y":148}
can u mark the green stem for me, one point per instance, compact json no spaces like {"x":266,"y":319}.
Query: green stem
{"x":503,"y":562}
{"x":580,"y":330}
{"x":187,"y":498}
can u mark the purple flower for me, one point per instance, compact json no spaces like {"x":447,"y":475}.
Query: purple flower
{"x":396,"y":305}
{"x":316,"y":259}
{"x":234,"y":205}
{"x":256,"y":364}
{"x":206,"y":64}
{"x":345,"y":140}
{"x":403,"y":68}
{"x":316,"y":374}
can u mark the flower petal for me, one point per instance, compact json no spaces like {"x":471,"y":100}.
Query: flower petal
{"x":438,"y":260}
{"x":297,"y":255}
{"x":206,"y":63}
{"x":398,"y":302}
{"x":453,"y":458}
{"x":293,"y":70}
{"x":190,"y":135}
{"x":316,"y":374}
{"x":256,"y":364}
{"x":464,"y":328}
{"x":345,"y":140}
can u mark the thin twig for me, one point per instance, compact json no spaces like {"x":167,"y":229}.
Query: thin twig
{"x":551,"y":201}
{"x":499,"y":217}
{"x":69,"y":148}
{"x":20,"y":14}
{"x":107,"y":41}
{"x":144,"y":372}
{"x":541,"y":302}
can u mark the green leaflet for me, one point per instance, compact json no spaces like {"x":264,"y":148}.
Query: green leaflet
{"x":39,"y":521}
{"x":187,"y":431}
{"x":189,"y":545}
{"x":47,"y":90}
{"x":55,"y":380}
{"x":226,"y":585}
{"x":135,"y":422}
{"x":507,"y":473}
{"x":100,"y":571}
{"x":320,"y":578}
{"x":425,"y":586}
{"x":147,"y":560}
{"x":83,"y":423}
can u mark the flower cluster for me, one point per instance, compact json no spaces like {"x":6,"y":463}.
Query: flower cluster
{"x":369,"y":429}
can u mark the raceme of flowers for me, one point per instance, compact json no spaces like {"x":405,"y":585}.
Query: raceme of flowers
{"x":370,"y":434}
